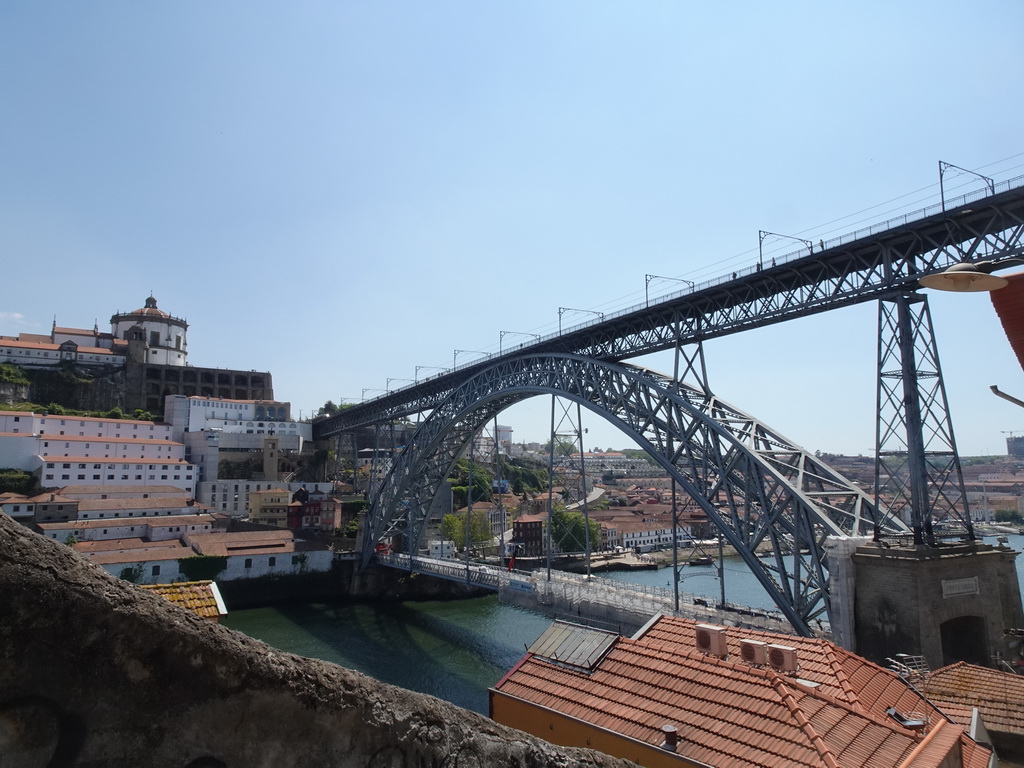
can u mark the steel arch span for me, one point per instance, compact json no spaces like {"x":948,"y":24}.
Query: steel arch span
{"x":753,"y":484}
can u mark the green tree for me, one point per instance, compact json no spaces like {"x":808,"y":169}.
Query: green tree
{"x":328,"y":409}
{"x":1008,"y":516}
{"x":461,"y":477}
{"x":202,"y":567}
{"x":132,"y":573}
{"x":12,"y":374}
{"x":568,"y":531}
{"x":453,"y":528}
{"x":13,"y":480}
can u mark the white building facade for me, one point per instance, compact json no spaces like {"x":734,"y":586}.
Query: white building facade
{"x":64,"y":450}
{"x":148,"y":333}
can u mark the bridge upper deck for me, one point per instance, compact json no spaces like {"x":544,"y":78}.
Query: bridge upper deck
{"x":872,"y":262}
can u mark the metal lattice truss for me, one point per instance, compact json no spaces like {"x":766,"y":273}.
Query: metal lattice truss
{"x":755,"y":486}
{"x":884,"y":260}
{"x":918,"y":467}
{"x":871,"y":265}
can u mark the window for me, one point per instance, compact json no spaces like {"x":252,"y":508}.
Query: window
{"x":273,"y":561}
{"x":248,"y":562}
{"x":295,"y":559}
{"x":156,"y":570}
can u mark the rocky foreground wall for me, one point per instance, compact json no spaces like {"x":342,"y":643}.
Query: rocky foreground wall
{"x":96,"y":672}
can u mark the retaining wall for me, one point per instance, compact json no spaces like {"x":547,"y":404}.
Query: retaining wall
{"x":97,"y":672}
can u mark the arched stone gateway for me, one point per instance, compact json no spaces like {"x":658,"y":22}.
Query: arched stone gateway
{"x":753,"y":484}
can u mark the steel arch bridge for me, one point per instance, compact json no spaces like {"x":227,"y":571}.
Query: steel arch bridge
{"x":754,"y":485}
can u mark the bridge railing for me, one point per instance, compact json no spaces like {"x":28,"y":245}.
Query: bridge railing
{"x":873,"y":229}
{"x":576,"y":589}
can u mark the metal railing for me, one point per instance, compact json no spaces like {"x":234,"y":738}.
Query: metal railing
{"x":873,"y":229}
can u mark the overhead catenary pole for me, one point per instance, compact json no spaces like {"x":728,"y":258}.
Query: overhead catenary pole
{"x":583,"y":479}
{"x":501,"y":498}
{"x":551,"y":487}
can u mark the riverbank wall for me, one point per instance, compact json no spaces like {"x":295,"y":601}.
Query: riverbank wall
{"x":345,"y":581}
{"x":548,"y":599}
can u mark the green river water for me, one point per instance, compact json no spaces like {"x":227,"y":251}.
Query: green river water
{"x":457,"y":649}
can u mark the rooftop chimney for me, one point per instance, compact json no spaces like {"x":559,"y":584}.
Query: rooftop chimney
{"x":671,"y":737}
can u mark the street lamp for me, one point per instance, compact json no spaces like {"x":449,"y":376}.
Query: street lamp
{"x":455,"y":355}
{"x":421,"y":367}
{"x":647,"y":282}
{"x":974,"y":277}
{"x":518,"y":333}
{"x":970,"y":276}
{"x":573,"y":309}
{"x":762,"y":234}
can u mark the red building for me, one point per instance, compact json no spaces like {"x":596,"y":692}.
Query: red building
{"x":528,"y":535}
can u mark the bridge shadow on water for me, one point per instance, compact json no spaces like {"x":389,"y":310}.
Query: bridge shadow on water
{"x":454,"y":650}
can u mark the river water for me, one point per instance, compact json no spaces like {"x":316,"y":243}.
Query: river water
{"x":457,"y":649}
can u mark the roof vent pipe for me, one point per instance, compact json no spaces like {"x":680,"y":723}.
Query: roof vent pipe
{"x":671,"y":737}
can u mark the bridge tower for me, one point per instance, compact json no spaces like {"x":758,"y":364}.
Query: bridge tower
{"x":926,"y":594}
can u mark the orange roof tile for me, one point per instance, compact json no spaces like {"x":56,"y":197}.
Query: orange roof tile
{"x":200,"y":597}
{"x":53,"y":459}
{"x":999,"y":696}
{"x":161,"y":441}
{"x":832,"y":712}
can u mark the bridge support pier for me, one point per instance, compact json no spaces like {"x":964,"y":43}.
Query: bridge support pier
{"x":948,"y":603}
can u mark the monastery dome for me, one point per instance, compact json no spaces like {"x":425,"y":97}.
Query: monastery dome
{"x":150,"y":310}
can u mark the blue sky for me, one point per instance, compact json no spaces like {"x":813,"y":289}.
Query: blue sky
{"x":338,"y":192}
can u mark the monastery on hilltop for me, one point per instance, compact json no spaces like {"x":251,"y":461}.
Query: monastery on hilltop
{"x":136,"y":365}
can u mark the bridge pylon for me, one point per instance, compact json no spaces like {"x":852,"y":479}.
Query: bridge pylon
{"x":917,"y":470}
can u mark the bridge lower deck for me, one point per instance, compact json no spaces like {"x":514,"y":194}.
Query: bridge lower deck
{"x":608,"y":604}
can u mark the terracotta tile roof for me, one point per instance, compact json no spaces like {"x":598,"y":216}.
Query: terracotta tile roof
{"x":52,"y":498}
{"x":133,"y":503}
{"x":109,"y":460}
{"x":160,"y":521}
{"x":137,"y":491}
{"x":201,"y":597}
{"x":831,"y":712}
{"x":107,"y":439}
{"x":132,"y":552}
{"x":111,"y":545}
{"x":531,"y":519}
{"x":103,"y":419}
{"x":52,"y":347}
{"x":999,"y":696}
{"x":250,"y":542}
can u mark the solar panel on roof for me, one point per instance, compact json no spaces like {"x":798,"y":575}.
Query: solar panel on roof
{"x":573,"y":645}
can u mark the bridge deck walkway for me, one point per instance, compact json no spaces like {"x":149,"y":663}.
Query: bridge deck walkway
{"x":589,"y":598}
